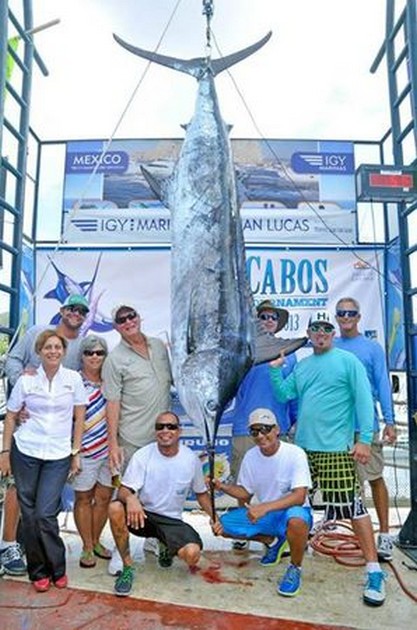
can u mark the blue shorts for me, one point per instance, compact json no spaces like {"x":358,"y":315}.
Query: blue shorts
{"x":237,"y":524}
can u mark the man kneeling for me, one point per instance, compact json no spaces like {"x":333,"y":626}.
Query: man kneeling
{"x":151,"y":499}
{"x":278,"y":474}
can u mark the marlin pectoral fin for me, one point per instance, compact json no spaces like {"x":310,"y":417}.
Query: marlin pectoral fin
{"x":268,"y":347}
{"x":157,"y":183}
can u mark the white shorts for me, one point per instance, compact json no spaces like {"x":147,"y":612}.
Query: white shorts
{"x":92,"y":471}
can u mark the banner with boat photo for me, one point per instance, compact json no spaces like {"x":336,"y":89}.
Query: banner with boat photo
{"x":290,"y":191}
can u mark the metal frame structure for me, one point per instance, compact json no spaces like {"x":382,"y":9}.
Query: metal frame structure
{"x":400,"y":50}
{"x":398,"y":147}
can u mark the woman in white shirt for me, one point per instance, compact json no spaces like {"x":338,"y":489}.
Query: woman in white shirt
{"x":41,"y":452}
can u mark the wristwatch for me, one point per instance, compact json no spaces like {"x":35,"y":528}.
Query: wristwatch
{"x":74,"y":452}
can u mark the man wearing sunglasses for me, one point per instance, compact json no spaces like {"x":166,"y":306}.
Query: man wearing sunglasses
{"x":371,"y":354}
{"x":137,"y":380}
{"x":333,"y":393}
{"x":136,"y":383}
{"x":151,"y":500}
{"x":278,"y":474}
{"x":256,"y":391}
{"x":24,"y":358}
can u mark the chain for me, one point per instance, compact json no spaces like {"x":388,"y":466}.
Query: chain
{"x":208,"y":9}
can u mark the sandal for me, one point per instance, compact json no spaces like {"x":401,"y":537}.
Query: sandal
{"x":87,"y":560}
{"x":101,"y":551}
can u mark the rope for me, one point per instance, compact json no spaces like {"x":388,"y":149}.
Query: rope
{"x":292,"y":180}
{"x":106,"y":147}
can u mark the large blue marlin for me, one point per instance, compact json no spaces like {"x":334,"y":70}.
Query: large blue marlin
{"x":212,"y":311}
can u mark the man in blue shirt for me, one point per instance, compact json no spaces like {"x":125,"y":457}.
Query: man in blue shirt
{"x":372,"y":356}
{"x":255,"y":392}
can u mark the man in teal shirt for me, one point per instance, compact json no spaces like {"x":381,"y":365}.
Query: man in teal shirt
{"x":333,"y":394}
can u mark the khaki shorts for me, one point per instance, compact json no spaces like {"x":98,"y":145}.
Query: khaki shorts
{"x":92,"y":471}
{"x":240,"y":446}
{"x":374,"y":469}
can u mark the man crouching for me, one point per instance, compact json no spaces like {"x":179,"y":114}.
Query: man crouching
{"x":151,"y":499}
{"x":278,"y":474}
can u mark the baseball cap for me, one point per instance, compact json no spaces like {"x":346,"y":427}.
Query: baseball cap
{"x":319,"y":317}
{"x":282,"y":313}
{"x":262,"y":416}
{"x":76,"y":300}
{"x":121,"y":307}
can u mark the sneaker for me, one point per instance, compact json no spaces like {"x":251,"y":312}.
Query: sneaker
{"x":116,"y":563}
{"x":124,"y":582}
{"x":164,"y":557}
{"x":42,"y":585}
{"x":273,"y":553}
{"x":374,"y":592}
{"x":290,"y":584}
{"x":61,"y":582}
{"x":384,"y":547}
{"x":239,"y":546}
{"x":11,"y":558}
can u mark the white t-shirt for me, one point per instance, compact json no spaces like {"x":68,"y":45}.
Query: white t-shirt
{"x":47,"y":433}
{"x":163,"y":483}
{"x":273,"y":477}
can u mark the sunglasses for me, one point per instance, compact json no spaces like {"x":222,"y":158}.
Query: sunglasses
{"x":263,"y":429}
{"x":265,"y":316}
{"x":160,"y":426}
{"x":79,"y":310}
{"x":122,"y":319}
{"x":347,"y":313}
{"x":91,"y":353}
{"x":326,"y":328}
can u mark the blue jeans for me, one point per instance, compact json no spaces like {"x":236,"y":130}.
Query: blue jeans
{"x":39,"y":484}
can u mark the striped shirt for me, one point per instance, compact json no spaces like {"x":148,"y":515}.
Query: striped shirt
{"x":95,"y":439}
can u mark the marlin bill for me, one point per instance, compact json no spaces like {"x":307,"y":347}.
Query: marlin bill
{"x":214,"y":335}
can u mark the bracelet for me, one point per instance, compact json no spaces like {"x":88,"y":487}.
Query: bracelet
{"x":6,"y":450}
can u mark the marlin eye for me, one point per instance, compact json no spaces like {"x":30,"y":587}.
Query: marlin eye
{"x":211,"y":405}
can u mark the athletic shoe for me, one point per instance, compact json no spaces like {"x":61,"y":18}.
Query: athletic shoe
{"x":290,"y":584}
{"x":273,"y":553}
{"x":11,"y":558}
{"x":164,"y":557}
{"x":61,"y":582}
{"x":151,"y":545}
{"x":116,"y":563}
{"x":42,"y":585}
{"x":239,"y":546}
{"x":124,"y":582}
{"x":384,"y":547}
{"x":374,"y":592}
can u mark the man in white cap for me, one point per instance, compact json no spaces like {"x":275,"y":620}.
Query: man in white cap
{"x":23,"y":357}
{"x":278,"y":474}
{"x":137,"y":380}
{"x":333,"y":391}
{"x":256,"y":391}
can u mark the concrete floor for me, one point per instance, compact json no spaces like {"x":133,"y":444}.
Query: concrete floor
{"x":226,"y":582}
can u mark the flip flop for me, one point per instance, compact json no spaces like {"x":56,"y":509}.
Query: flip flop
{"x":101,"y":551}
{"x":87,"y":560}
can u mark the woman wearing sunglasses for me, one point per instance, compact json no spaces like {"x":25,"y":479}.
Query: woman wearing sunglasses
{"x":93,"y":484}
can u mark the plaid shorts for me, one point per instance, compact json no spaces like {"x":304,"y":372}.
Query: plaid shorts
{"x":334,"y":475}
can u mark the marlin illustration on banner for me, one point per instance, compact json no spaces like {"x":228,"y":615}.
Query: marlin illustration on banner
{"x":214,"y":336}
{"x":67,"y":286}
